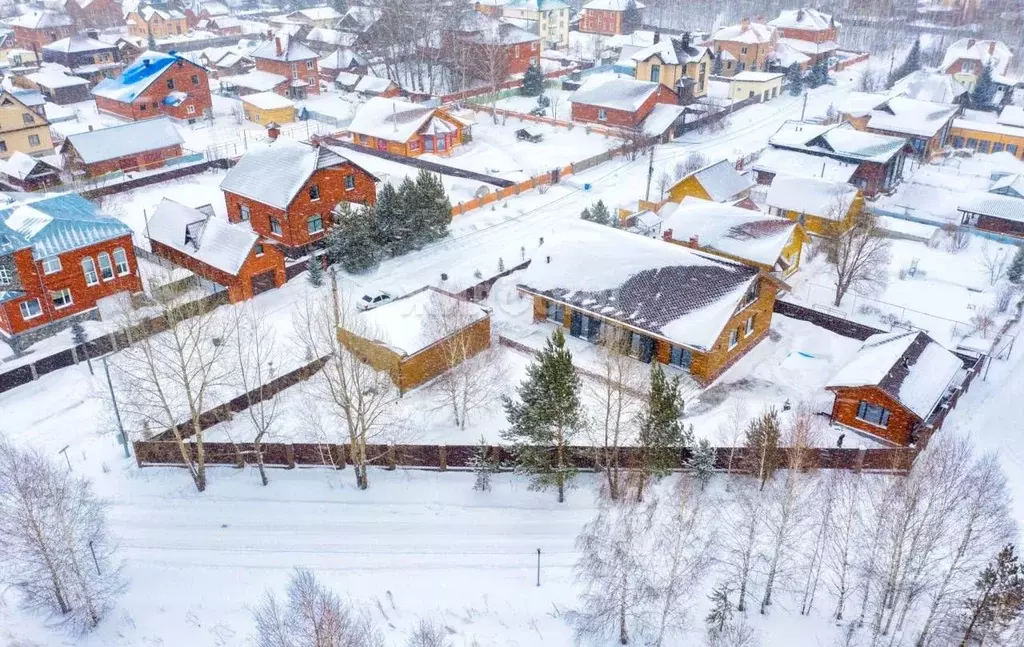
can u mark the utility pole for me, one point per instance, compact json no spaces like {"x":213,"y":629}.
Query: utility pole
{"x":117,"y":412}
{"x":538,"y":567}
{"x":650,"y":176}
{"x":803,"y":109}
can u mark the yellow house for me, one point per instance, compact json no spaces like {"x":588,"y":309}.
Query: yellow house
{"x":986,"y":137}
{"x":21,"y":129}
{"x":770,"y":243}
{"x":677,"y":65}
{"x":761,"y":85}
{"x":266,"y":107}
{"x":158,"y":22}
{"x":402,"y":128}
{"x":823,"y":207}
{"x":718,"y":182}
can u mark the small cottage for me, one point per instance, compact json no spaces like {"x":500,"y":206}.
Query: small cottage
{"x":999,"y":210}
{"x":23,"y":172}
{"x":625,"y":103}
{"x":137,"y":146}
{"x":924,"y":124}
{"x":717,"y":182}
{"x":58,"y":86}
{"x":268,"y":107}
{"x":822,"y":207}
{"x":403,"y":128}
{"x":758,"y":86}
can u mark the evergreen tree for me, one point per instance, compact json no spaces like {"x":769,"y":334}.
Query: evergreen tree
{"x":597,"y":213}
{"x":984,"y":91}
{"x":315,"y":271}
{"x":795,"y":79}
{"x":632,"y":19}
{"x":533,"y":81}
{"x":997,"y":602}
{"x":661,"y":434}
{"x":586,"y":215}
{"x":1016,"y":271}
{"x":483,"y":464}
{"x":79,"y":337}
{"x":433,"y":205}
{"x":910,"y":65}
{"x":762,"y":442}
{"x":818,"y":75}
{"x":352,"y":241}
{"x":702,"y":462}
{"x":721,"y":610}
{"x":546,"y":416}
{"x":392,"y":220}
{"x":717,"y":65}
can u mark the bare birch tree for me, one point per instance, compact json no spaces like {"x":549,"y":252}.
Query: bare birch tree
{"x":843,"y":537}
{"x":743,"y":531}
{"x":858,"y":258}
{"x":618,"y":405}
{"x":255,"y":354}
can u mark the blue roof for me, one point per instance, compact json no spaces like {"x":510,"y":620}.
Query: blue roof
{"x":136,"y":77}
{"x":56,"y":224}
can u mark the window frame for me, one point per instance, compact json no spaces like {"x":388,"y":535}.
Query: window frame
{"x":47,"y":267}
{"x":748,"y":328}
{"x":884,"y":415}
{"x":244,"y":212}
{"x":309,"y":224}
{"x":190,"y":109}
{"x":275,"y":227}
{"x":61,"y":293}
{"x":123,"y":261}
{"x":91,"y":269}
{"x":258,"y":249}
{"x":170,"y":84}
{"x":734,"y":338}
{"x":314,"y":192}
{"x":602,"y":114}
{"x":27,"y":118}
{"x":27,"y":317}
{"x":554,"y":312}
{"x":350,"y":182}
{"x":109,"y":266}
{"x":34,"y":140}
{"x":6,"y":276}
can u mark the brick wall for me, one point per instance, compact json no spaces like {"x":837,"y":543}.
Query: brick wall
{"x":239,"y":286}
{"x":901,"y":422}
{"x":33,"y":39}
{"x":140,"y":162}
{"x":597,"y":21}
{"x":185,"y":76}
{"x":301,"y":71}
{"x":753,"y":60}
{"x":623,"y":118}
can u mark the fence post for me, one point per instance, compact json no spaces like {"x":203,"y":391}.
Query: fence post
{"x":442,"y":458}
{"x":32,"y":369}
{"x":392,"y":461}
{"x":289,"y":455}
{"x":858,"y":465}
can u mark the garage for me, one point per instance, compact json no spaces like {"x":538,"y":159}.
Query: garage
{"x":262,"y":282}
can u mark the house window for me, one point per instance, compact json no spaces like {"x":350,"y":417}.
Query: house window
{"x":51,"y":265}
{"x":414,"y":145}
{"x":27,"y":118}
{"x":958,"y":142}
{"x":972,"y":143}
{"x":585,"y":327}
{"x":641,"y":347}
{"x":873,"y":414}
{"x":195,"y":79}
{"x":309,"y":64}
{"x":734,"y":338}
{"x":30,"y":309}
{"x":89,"y":270}
{"x":243,"y":212}
{"x":33,"y":140}
{"x":750,"y":326}
{"x":61,"y":298}
{"x":314,"y":193}
{"x":743,"y":50}
{"x":997,"y":147}
{"x":3,"y":146}
{"x":170,"y":84}
{"x":681,"y":357}
{"x":602,"y":114}
{"x":655,"y":73}
{"x":6,"y":277}
{"x":350,"y":182}
{"x":295,"y":71}
{"x":428,"y":143}
{"x":258,"y":249}
{"x":983,"y":146}
{"x":751,"y":295}
{"x":555,"y":312}
{"x":142,"y":107}
{"x":1011,"y":148}
{"x":967,"y":67}
{"x":275,"y":226}
{"x":442,"y":142}
{"x":106,"y":269}
{"x":121,"y":261}
{"x":315,"y":224}
{"x":190,"y":109}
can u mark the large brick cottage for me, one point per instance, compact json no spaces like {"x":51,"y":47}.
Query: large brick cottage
{"x":296,"y":64}
{"x":287,"y":190}
{"x":157,"y":84}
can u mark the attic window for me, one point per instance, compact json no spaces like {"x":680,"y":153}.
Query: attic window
{"x":314,"y":192}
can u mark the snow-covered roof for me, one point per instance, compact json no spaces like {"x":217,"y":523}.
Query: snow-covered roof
{"x":1012,"y":116}
{"x":211,"y":240}
{"x":409,"y":325}
{"x":661,"y":118}
{"x":1011,"y":185}
{"x":331,"y":37}
{"x":809,"y":47}
{"x":750,"y":33}
{"x":127,"y":139}
{"x":291,"y":50}
{"x":41,"y":20}
{"x":811,"y":196}
{"x":149,"y":12}
{"x":347,"y":79}
{"x":840,"y":140}
{"x":909,"y":366}
{"x":537,"y":5}
{"x":987,"y":52}
{"x":361,"y":18}
{"x":369,"y":84}
{"x":742,"y":233}
{"x":55,"y":224}
{"x":806,"y":19}
{"x":917,"y":230}
{"x":788,"y":162}
{"x":273,"y":172}
{"x":30,"y":98}
{"x":680,"y":294}
{"x":758,"y":77}
{"x":783,"y":55}
{"x":995,"y":205}
{"x":137,"y":77}
{"x":721,"y":181}
{"x":616,"y":94}
{"x":319,"y":13}
{"x":341,"y":59}
{"x":671,"y":52}
{"x":268,"y":101}
{"x":391,"y":119}
{"x":54,"y":77}
{"x":255,"y":80}
{"x":77,"y":43}
{"x":478,"y":28}
{"x":610,"y":5}
{"x":899,"y":114}
{"x":926,"y":85}
{"x":21,"y":165}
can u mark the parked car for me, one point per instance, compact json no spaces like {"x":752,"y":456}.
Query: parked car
{"x":371,"y":300}
{"x":528,"y":134}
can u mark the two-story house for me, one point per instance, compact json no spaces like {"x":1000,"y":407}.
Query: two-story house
{"x":676,"y":64}
{"x":808,"y":31}
{"x":547,"y":18}
{"x":157,"y":84}
{"x":966,"y":58}
{"x":292,"y":60}
{"x":490,"y":49}
{"x":159,"y":23}
{"x":287,"y":191}
{"x":84,"y":56}
{"x":34,"y":29}
{"x":22,"y":129}
{"x":610,"y":17}
{"x":744,"y":47}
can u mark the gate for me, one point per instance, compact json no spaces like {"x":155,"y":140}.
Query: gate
{"x":262,"y":282}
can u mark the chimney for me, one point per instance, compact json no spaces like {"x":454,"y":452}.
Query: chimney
{"x":991,"y":47}
{"x":145,"y":62}
{"x":273,"y":130}
{"x":277,"y":44}
{"x":657,"y":37}
{"x":695,"y":242}
{"x":745,"y":24}
{"x":92,"y":33}
{"x":970,"y":43}
{"x":684,"y":41}
{"x":667,"y":235}
{"x":270,"y":34}
{"x":799,"y":15}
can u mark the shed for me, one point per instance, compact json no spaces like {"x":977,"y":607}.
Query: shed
{"x":419,"y":336}
{"x":135,"y":146}
{"x":268,"y":107}
{"x":58,"y":86}
{"x":28,"y":173}
{"x":761,"y":86}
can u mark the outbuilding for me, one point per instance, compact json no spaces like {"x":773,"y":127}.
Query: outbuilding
{"x":137,"y":146}
{"x":268,"y":107}
{"x":760,"y":86}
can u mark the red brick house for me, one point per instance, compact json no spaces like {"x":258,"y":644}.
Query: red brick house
{"x":289,"y":58}
{"x":287,"y":190}
{"x":893,"y":385}
{"x":156,"y":84}
{"x":491,"y":49}
{"x":403,"y":128}
{"x":624,"y":103}
{"x":58,"y":256}
{"x":808,"y":31}
{"x":606,"y":17}
{"x":34,"y":29}
{"x":136,"y":146}
{"x":744,"y":47}
{"x":196,"y":11}
{"x":232,"y":255}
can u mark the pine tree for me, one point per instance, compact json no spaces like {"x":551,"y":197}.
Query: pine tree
{"x":434,"y":209}
{"x":910,"y":65}
{"x":151,"y":41}
{"x":762,"y":443}
{"x":795,"y":79}
{"x":997,"y":602}
{"x":984,"y":91}
{"x":721,"y":610}
{"x":599,"y":213}
{"x":717,"y":65}
{"x":533,"y":81}
{"x":661,"y":434}
{"x":80,"y":338}
{"x":352,"y":241}
{"x":483,"y":464}
{"x":393,"y":226}
{"x":315,"y":271}
{"x":818,"y":75}
{"x":1016,"y":271}
{"x":632,"y":19}
{"x":702,"y":462}
{"x":586,"y":215}
{"x":546,"y":416}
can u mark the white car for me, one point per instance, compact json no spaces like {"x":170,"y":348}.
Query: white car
{"x":371,"y":300}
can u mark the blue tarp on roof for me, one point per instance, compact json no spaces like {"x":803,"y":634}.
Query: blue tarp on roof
{"x":55,"y":225}
{"x":136,"y":77}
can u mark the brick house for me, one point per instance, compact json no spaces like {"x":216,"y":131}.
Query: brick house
{"x":606,"y":17}
{"x":93,"y":14}
{"x":624,"y":103}
{"x":894,"y":383}
{"x":926,"y":125}
{"x":403,"y":128}
{"x":403,"y":337}
{"x":966,"y":58}
{"x":34,"y":29}
{"x":25,"y":173}
{"x":676,"y":64}
{"x":490,"y":49}
{"x":549,"y":18}
{"x":232,"y":255}
{"x":84,"y":56}
{"x":808,"y":31}
{"x":159,"y":23}
{"x":157,"y":84}
{"x":340,"y":60}
{"x":691,"y":311}
{"x":1000,"y":209}
{"x":287,"y":190}
{"x":744,"y":47}
{"x":58,"y":256}
{"x":289,"y":58}
{"x":137,"y":146}
{"x":196,"y":11}
{"x":22,"y":129}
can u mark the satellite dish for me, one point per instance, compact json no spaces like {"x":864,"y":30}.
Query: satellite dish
{"x":482,"y":191}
